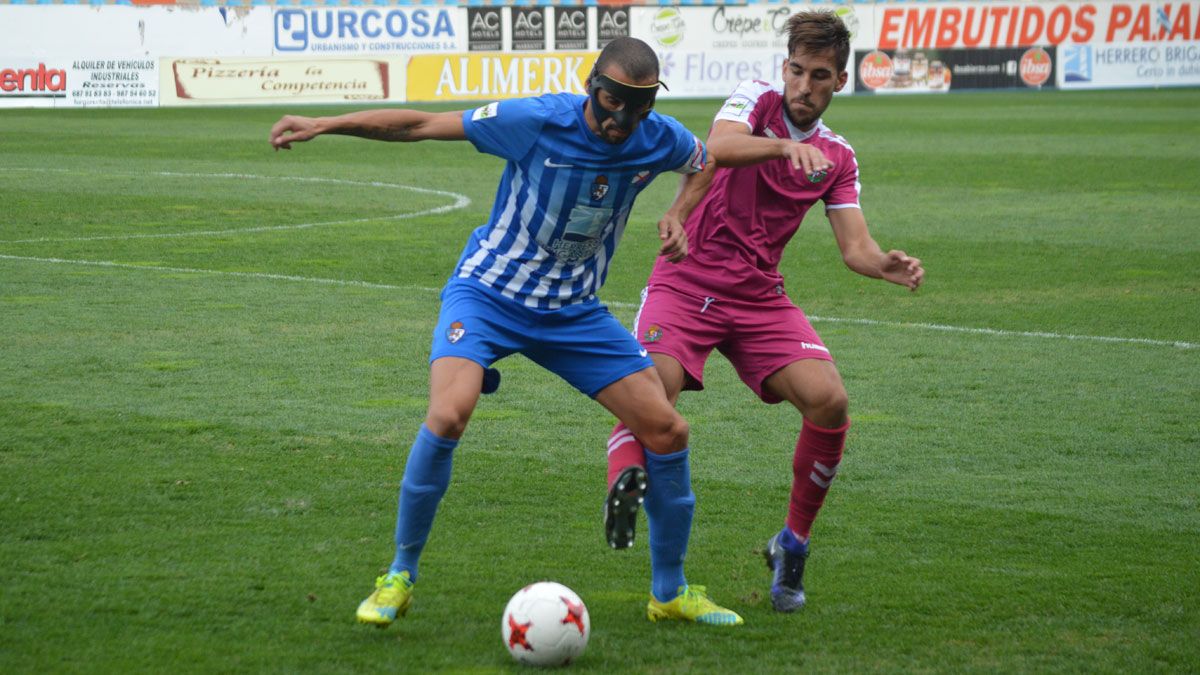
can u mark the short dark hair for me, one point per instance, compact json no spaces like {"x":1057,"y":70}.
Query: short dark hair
{"x":815,"y":31}
{"x":633,"y":56}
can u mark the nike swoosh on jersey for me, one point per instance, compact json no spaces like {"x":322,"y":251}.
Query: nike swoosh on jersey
{"x":641,"y":352}
{"x":552,"y":165}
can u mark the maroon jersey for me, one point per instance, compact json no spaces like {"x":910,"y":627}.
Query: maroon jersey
{"x":737,"y":234}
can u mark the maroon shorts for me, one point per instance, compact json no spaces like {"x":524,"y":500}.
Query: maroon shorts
{"x":758,"y":338}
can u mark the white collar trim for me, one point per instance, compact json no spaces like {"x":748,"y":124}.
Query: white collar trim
{"x":794,"y":131}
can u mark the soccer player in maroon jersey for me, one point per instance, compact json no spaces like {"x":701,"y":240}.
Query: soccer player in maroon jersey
{"x":774,"y":160}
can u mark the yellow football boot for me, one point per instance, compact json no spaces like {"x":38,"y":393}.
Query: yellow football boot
{"x":692,"y":604}
{"x":392,"y":596}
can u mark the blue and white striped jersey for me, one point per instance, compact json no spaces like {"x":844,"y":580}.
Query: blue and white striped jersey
{"x":565,"y":196}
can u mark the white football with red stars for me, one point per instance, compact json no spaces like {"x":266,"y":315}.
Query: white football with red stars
{"x":545,"y":624}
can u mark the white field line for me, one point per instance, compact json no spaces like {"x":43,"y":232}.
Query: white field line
{"x":1009,"y":333}
{"x":619,"y":305}
{"x":244,"y":275}
{"x":460,"y":201}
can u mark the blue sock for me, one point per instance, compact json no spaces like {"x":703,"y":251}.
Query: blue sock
{"x":426,"y":477}
{"x":789,"y":542}
{"x":669,"y":506}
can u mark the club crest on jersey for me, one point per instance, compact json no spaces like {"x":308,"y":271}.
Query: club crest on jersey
{"x":818,"y":176}
{"x":599,"y":188}
{"x":455,"y":332}
{"x":653,"y":334}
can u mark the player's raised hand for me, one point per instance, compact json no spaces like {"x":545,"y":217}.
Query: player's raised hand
{"x":674,"y":239}
{"x":292,"y":129}
{"x":806,"y":157}
{"x":900,"y":268}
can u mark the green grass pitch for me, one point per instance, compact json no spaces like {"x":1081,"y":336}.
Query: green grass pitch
{"x":214,"y":361}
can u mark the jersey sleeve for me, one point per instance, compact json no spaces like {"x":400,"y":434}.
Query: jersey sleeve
{"x":843,"y":193}
{"x":689,"y":154}
{"x":740,"y":105}
{"x":507,"y":128}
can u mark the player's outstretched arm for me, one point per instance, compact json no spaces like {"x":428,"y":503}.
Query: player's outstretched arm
{"x":381,"y":125}
{"x":863,"y":255}
{"x":731,"y":144}
{"x":692,"y":189}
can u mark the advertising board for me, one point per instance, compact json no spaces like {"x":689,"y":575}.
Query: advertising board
{"x":528,"y":28}
{"x":127,"y":54}
{"x":707,"y":51}
{"x":737,"y":27}
{"x":491,"y":76}
{"x":109,"y":83}
{"x":341,"y":31}
{"x":906,"y":71}
{"x":280,"y":80}
{"x":113,"y":83}
{"x":571,"y":28}
{"x":611,"y":22}
{"x":1000,"y":24}
{"x":485,"y":29}
{"x":28,"y":83}
{"x":1126,"y":64}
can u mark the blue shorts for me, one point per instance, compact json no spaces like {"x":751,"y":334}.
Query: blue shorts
{"x":582,"y":343}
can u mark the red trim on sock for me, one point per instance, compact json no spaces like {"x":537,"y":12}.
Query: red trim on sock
{"x":624,"y":450}
{"x":814,"y":466}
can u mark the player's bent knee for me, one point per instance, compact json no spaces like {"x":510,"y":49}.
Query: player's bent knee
{"x":839,"y":402}
{"x":447,"y":423}
{"x":669,"y":437}
{"x":831,"y":409}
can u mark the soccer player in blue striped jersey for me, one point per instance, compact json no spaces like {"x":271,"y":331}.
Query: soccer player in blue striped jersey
{"x":527,"y":281}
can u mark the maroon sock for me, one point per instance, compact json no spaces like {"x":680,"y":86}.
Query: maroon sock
{"x":624,"y":450}
{"x":818,"y":452}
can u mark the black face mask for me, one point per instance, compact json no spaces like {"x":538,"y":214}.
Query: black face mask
{"x":638,"y":100}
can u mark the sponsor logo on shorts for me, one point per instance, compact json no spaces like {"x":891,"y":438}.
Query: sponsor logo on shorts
{"x":809,"y":345}
{"x":455,"y":332}
{"x":652,"y":334}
